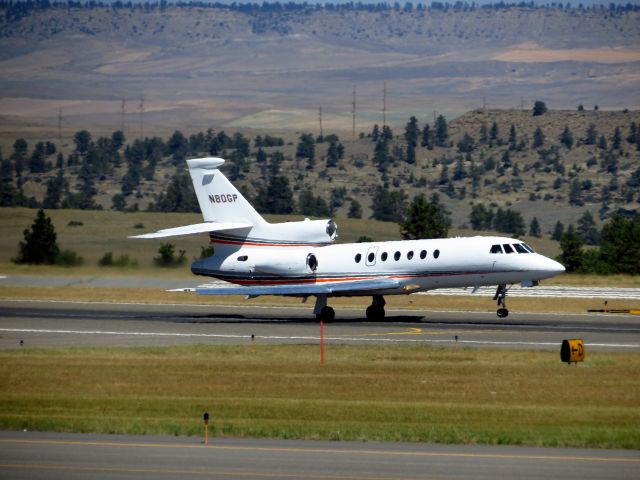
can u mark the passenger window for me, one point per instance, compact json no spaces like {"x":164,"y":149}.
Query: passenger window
{"x":358,"y":258}
{"x":371,"y":257}
{"x":242,"y":258}
{"x":436,"y":253}
{"x":507,"y":248}
{"x":423,"y":254}
{"x":396,"y":256}
{"x":519,"y":248}
{"x":384,"y":256}
{"x":410,"y":255}
{"x":528,"y":247}
{"x":496,"y":249}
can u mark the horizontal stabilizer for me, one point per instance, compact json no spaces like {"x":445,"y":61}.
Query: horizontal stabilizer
{"x":191,"y":229}
{"x":326,"y":288}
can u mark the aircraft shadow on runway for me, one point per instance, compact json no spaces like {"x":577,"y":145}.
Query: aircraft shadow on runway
{"x":238,"y":318}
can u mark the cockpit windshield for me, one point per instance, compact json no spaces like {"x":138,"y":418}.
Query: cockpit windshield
{"x":511,"y":248}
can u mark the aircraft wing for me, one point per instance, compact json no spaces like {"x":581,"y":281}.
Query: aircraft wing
{"x":326,"y":288}
{"x":195,"y":228}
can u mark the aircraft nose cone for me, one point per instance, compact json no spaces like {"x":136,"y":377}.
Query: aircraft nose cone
{"x":555,"y":267}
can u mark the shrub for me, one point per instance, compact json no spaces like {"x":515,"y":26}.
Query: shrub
{"x":167,"y":256}
{"x":69,"y":258}
{"x":108,"y":260}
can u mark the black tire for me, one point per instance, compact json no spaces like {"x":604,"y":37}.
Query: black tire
{"x":502,"y":312}
{"x":327,"y":314}
{"x":375,"y":312}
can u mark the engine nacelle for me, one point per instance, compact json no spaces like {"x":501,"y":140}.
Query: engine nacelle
{"x":290,"y":263}
{"x":305,"y":231}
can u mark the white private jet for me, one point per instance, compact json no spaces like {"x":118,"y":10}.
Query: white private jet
{"x":299,"y":259}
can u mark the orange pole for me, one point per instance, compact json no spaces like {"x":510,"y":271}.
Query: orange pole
{"x":322,"y":343}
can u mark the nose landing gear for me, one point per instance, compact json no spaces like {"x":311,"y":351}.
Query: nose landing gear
{"x":501,"y":297}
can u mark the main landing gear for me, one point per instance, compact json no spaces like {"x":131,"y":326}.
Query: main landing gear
{"x":375,"y":311}
{"x":501,"y":297}
{"x":324,"y":312}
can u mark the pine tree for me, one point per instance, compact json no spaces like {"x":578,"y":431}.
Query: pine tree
{"x":539,"y":108}
{"x":592,"y":135}
{"x":558,"y":231}
{"x":493,"y":133}
{"x":480,"y":218}
{"x":388,"y":206}
{"x":423,"y":220}
{"x":40,"y":243}
{"x":355,"y":210}
{"x":620,"y":245}
{"x":616,"y":140}
{"x":427,"y":137}
{"x":566,"y":138}
{"x":538,"y":138}
{"x":441,"y":132}
{"x":534,"y":228}
{"x":484,"y":134}
{"x":571,"y":250}
{"x":588,"y":230}
{"x":513,"y":137}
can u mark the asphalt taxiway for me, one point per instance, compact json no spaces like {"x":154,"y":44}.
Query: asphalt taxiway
{"x":34,"y":455}
{"x":62,"y":323}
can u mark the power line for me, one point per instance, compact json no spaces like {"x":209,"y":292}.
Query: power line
{"x":353,"y":113}
{"x":123,"y":110}
{"x":59,"y":124}
{"x":141,"y":117}
{"x":384,"y":105}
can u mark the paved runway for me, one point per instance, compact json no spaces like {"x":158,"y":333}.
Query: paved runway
{"x":33,"y":455}
{"x":54,"y":324}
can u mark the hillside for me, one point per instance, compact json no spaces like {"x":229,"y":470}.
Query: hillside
{"x":549,"y":181}
{"x":271,"y":67}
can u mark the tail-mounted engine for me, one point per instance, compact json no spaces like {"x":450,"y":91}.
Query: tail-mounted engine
{"x":290,"y":263}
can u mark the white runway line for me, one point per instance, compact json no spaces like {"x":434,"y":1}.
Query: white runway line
{"x":308,"y":338}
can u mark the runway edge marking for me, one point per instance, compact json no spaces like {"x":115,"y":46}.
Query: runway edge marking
{"x":349,"y":451}
{"x":304,"y":337}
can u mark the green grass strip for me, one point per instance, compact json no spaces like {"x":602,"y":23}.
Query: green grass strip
{"x":390,"y":393}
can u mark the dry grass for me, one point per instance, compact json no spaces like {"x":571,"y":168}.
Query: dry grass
{"x":363,"y":392}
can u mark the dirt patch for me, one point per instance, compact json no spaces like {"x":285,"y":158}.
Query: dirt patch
{"x":533,"y":53}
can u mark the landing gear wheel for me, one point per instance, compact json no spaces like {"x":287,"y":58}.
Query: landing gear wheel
{"x":501,"y":297}
{"x":327,"y":314}
{"x":375,"y":312}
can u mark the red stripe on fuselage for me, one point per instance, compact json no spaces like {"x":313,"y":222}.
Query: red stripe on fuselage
{"x":250,"y":282}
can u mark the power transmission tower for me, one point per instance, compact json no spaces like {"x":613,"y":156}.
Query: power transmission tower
{"x":59,"y":124}
{"x":123,"y":110}
{"x":384,"y":105}
{"x":353,"y":114}
{"x":141,"y":117}
{"x":320,"y":120}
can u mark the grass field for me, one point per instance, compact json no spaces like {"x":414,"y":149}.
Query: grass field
{"x":362,"y":393}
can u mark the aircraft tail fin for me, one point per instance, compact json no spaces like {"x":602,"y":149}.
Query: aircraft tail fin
{"x":219,"y":200}
{"x":230,"y":219}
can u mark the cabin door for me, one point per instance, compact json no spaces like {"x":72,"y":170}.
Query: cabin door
{"x":372,"y":255}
